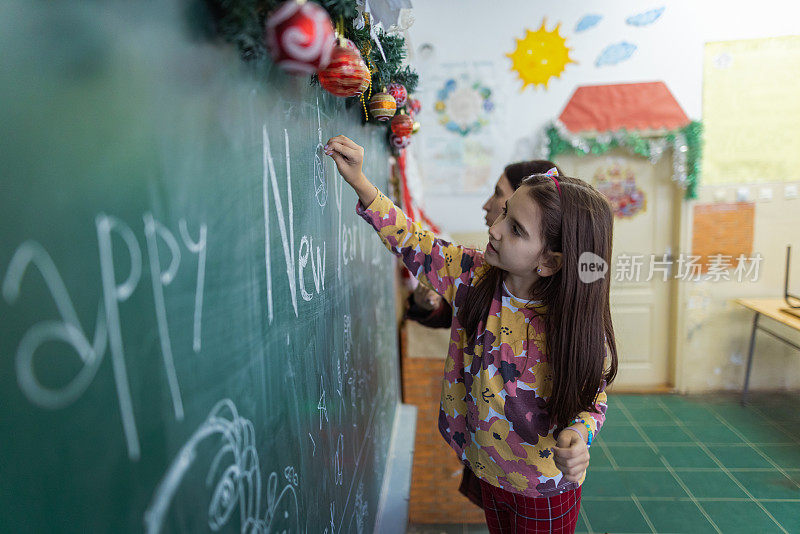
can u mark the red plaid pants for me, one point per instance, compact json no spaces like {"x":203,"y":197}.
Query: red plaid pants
{"x":508,"y":513}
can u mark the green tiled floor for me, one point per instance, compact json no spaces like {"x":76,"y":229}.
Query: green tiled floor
{"x":693,"y":464}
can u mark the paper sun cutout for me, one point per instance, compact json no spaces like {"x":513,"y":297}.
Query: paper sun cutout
{"x":541,"y":55}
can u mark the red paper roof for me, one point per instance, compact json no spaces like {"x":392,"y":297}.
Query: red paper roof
{"x":630,"y":106}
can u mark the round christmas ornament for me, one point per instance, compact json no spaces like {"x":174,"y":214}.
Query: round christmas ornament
{"x":382,"y":106}
{"x":346,"y":74}
{"x":415,"y":128}
{"x":398,"y":91}
{"x":414,"y":105}
{"x":399,"y":142}
{"x":299,"y":36}
{"x":402,"y":125}
{"x":366,"y":78}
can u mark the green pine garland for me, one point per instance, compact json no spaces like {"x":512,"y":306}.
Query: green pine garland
{"x":241,"y":22}
{"x":638,"y":145}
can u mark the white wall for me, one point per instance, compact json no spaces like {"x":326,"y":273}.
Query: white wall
{"x":670,"y":50}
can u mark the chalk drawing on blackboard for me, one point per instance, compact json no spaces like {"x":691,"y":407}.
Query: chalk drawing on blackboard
{"x":113,"y":294}
{"x":317,"y":266}
{"x":348,"y":336}
{"x":160,"y":279}
{"x":108,"y":330}
{"x":291,"y":475}
{"x":320,"y":183}
{"x":337,"y":461}
{"x":69,"y":331}
{"x":314,"y":443}
{"x":240,"y":481}
{"x":321,"y":407}
{"x":198,"y":247}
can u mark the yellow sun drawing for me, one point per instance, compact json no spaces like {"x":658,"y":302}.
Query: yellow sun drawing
{"x":540,"y":56}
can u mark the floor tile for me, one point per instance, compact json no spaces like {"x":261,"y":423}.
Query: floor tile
{"x":737,"y":456}
{"x":770,"y":484}
{"x":677,"y":517}
{"x":786,"y":456}
{"x":635,"y":456}
{"x":785,"y":513}
{"x":618,"y":517}
{"x":647,"y":416}
{"x":667,"y":434}
{"x":763,"y":433}
{"x":712,"y":433}
{"x":745,"y":517}
{"x":715,"y":484}
{"x":605,"y":484}
{"x":686,"y":456}
{"x":598,"y":457}
{"x":620,"y":434}
{"x":653,"y":484}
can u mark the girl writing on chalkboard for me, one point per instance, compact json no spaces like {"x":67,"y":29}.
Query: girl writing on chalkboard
{"x":523,"y":393}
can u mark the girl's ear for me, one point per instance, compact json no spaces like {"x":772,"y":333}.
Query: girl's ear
{"x":551,"y":263}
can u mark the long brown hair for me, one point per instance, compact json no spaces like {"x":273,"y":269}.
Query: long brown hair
{"x":577,"y":315}
{"x":516,"y":172}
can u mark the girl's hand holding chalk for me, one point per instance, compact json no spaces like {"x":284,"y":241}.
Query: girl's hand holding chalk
{"x":349,"y":157}
{"x":571,"y":454}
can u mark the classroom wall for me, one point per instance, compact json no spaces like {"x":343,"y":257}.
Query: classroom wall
{"x":715,"y":332}
{"x":670,"y":50}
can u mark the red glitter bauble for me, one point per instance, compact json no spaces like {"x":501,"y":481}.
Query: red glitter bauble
{"x":398,"y":91}
{"x":300,"y":37}
{"x":402,"y":125}
{"x":346,"y":74}
{"x":414,"y":105}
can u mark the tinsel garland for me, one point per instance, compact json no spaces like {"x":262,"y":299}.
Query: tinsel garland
{"x":686,"y":143}
{"x":241,"y":22}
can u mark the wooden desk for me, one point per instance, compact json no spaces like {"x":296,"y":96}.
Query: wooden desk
{"x":769,"y":308}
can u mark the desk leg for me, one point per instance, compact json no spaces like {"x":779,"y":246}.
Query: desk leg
{"x":750,"y":358}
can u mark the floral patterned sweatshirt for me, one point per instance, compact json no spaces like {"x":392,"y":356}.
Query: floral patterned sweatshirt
{"x":492,"y":405}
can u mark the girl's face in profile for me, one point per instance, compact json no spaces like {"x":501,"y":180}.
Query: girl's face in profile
{"x":494,"y":206}
{"x":515,"y":242}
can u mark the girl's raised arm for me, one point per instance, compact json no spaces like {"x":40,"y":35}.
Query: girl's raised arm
{"x":435,"y":262}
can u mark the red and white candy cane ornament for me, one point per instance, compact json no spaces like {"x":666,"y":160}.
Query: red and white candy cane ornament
{"x":398,"y":141}
{"x":300,"y":37}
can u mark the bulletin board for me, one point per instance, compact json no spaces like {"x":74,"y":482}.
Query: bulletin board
{"x":751,"y":113}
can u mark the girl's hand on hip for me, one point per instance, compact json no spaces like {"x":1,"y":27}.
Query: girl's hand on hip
{"x":571,"y":454}
{"x":348,"y":157}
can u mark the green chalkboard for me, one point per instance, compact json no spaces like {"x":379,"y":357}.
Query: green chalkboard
{"x":196,"y":330}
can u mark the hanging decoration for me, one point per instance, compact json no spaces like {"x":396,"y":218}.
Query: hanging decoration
{"x":686,"y":144}
{"x":300,"y":37}
{"x":399,"y":142}
{"x":541,"y":55}
{"x":618,"y":183}
{"x":346,"y":74}
{"x":415,"y":127}
{"x":398,"y":91}
{"x":414,"y":106}
{"x":382,"y":106}
{"x":402,"y":125}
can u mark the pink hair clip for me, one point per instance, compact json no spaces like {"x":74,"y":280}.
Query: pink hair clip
{"x":552,"y":173}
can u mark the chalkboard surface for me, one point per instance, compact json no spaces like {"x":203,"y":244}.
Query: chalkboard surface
{"x":196,"y":330}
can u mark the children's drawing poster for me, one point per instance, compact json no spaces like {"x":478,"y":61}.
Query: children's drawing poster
{"x":751,"y":112}
{"x":461,"y":124}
